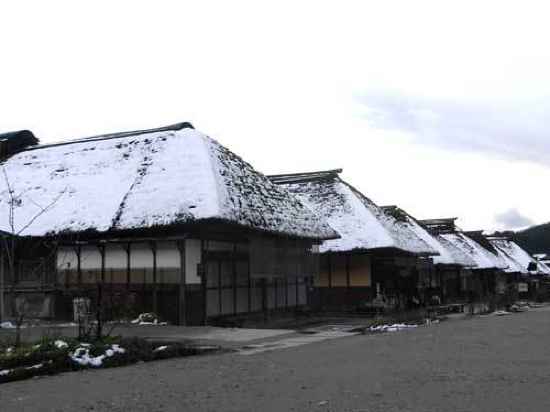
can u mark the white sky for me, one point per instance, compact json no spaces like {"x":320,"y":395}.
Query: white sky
{"x":463,"y":90}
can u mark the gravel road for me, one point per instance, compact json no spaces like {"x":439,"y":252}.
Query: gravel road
{"x":482,"y":364}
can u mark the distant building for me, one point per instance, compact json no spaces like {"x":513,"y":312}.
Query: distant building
{"x":379,"y":258}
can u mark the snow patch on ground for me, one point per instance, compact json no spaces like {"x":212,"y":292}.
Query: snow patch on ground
{"x":392,"y":328}
{"x":7,"y":325}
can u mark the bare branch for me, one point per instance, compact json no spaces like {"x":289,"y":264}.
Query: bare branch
{"x":42,"y":211}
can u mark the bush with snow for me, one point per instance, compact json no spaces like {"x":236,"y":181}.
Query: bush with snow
{"x":51,"y":356}
{"x":148,"y":318}
{"x":392,"y":328}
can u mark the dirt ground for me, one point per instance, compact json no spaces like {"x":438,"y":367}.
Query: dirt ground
{"x":482,"y":364}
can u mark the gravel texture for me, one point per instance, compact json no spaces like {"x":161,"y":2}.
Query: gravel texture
{"x":492,"y":363}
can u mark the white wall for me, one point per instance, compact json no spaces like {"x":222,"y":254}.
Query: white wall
{"x":141,"y":257}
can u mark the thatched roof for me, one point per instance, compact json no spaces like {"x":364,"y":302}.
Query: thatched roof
{"x":517,"y":259}
{"x":361,"y":224}
{"x":448,"y":254}
{"x":150,"y":178}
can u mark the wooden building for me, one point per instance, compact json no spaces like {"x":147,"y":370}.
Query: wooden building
{"x":166,"y":219}
{"x":451,"y":266}
{"x":478,"y":278}
{"x":377,"y":261}
{"x":525,"y":275}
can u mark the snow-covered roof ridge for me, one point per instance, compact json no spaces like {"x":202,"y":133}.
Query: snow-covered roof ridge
{"x":448,"y":253}
{"x":143,"y":179}
{"x":517,"y":258}
{"x":361,"y":224}
{"x":483,"y":258}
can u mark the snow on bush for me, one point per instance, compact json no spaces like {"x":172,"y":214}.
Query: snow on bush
{"x":148,"y":319}
{"x":7,"y":325}
{"x":60,"y":344}
{"x":392,"y":328}
{"x":83,"y":357}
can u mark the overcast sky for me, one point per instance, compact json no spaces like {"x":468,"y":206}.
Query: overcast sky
{"x":441,"y":108}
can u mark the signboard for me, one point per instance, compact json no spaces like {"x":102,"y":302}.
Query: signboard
{"x":523,"y":287}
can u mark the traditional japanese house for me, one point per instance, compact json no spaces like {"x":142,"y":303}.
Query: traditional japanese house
{"x":447,"y":282}
{"x":525,"y":275}
{"x":167,"y":217}
{"x":379,"y":258}
{"x":480,"y":283}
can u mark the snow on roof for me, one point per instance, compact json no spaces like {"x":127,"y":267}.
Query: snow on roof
{"x":448,"y":253}
{"x":360,"y":223}
{"x":143,"y":179}
{"x":483,"y":258}
{"x":517,"y":258}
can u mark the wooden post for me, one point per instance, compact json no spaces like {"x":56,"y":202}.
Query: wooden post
{"x":99,"y":315}
{"x":297,"y":291}
{"x":275,"y":287}
{"x":264,"y":298}
{"x":348,"y":280}
{"x":286,"y":292}
{"x":249,"y":286}
{"x":234,"y":273}
{"x":128,"y":250}
{"x":329,"y":271}
{"x":182,"y":312}
{"x":220,"y":295}
{"x":153,"y":245}
{"x":78,"y":252}
{"x":102,"y":253}
{"x":203,"y":281}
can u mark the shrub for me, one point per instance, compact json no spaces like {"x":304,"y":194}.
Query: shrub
{"x":51,"y":356}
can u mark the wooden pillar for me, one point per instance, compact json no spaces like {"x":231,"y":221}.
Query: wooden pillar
{"x":182,"y":310}
{"x":286,"y":291}
{"x":153,"y":245}
{"x":220,"y":292}
{"x":297,"y":291}
{"x":102,"y":253}
{"x":348,"y":280}
{"x":128,"y":250}
{"x":78,"y":252}
{"x":275,"y":287}
{"x":234,"y":277}
{"x":99,"y":314}
{"x":204,"y":274}
{"x":249,"y":286}
{"x":264,"y":298}
{"x":329,"y":271}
